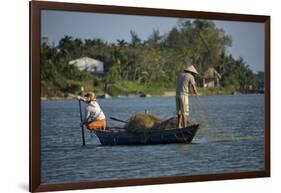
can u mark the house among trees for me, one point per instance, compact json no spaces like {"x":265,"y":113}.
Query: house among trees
{"x":211,"y":78}
{"x":89,"y":64}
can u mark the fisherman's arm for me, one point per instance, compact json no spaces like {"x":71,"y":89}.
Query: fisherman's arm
{"x":81,"y":98}
{"x":194,"y":89}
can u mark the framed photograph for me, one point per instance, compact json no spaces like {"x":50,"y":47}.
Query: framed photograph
{"x":123,"y":96}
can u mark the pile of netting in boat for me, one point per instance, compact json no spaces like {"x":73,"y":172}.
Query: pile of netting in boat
{"x":140,"y":122}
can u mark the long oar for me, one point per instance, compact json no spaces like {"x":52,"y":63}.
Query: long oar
{"x":82,"y":127}
{"x":116,"y":119}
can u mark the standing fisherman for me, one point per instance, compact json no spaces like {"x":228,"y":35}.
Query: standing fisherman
{"x":184,"y":82}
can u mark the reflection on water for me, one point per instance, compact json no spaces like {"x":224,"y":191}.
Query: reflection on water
{"x":230,"y":140}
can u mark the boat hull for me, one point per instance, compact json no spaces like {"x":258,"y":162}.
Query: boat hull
{"x":118,"y":136}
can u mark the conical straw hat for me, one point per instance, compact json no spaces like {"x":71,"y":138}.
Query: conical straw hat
{"x":90,"y":95}
{"x":190,"y":68}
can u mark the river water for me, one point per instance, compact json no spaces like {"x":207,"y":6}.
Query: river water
{"x":231,"y":139}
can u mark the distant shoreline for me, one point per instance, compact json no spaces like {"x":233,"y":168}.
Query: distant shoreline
{"x":166,"y":94}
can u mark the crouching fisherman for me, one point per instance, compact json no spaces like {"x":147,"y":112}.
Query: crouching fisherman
{"x":94,"y":117}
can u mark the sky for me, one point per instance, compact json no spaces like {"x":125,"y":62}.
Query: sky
{"x":247,"y":37}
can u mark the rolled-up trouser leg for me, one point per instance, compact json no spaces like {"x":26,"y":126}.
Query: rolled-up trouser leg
{"x":98,"y":124}
{"x":182,"y":107}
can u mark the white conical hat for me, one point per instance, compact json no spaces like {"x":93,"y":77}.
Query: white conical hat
{"x":190,"y":68}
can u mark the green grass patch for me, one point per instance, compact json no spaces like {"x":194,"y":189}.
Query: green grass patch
{"x":216,"y":91}
{"x":135,"y":87}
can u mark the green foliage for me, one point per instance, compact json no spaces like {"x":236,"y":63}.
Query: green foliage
{"x":134,"y":87}
{"x":149,"y":66}
{"x":114,"y":72}
{"x":57,"y":75}
{"x":135,"y":38}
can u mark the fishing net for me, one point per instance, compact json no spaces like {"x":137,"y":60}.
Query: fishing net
{"x":208,"y":125}
{"x":142,"y":121}
{"x":210,"y":129}
{"x":167,"y":124}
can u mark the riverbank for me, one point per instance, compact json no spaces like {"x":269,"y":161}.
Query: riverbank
{"x":132,"y":88}
{"x":217,"y":91}
{"x":208,"y":91}
{"x":125,"y":88}
{"x":201,"y":91}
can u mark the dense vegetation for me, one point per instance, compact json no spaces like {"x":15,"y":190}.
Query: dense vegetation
{"x":148,"y":66}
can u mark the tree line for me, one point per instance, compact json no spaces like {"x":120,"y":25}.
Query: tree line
{"x":154,"y":62}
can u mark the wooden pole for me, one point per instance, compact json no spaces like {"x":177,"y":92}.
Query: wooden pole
{"x":116,"y":119}
{"x":82,"y":127}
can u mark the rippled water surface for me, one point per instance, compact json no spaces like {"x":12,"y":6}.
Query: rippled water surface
{"x":230,"y":140}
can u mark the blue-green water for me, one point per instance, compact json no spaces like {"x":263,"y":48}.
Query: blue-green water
{"x":231,"y":139}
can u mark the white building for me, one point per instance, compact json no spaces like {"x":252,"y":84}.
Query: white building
{"x":89,"y":64}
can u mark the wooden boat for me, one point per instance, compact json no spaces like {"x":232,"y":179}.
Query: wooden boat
{"x":120,"y":136}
